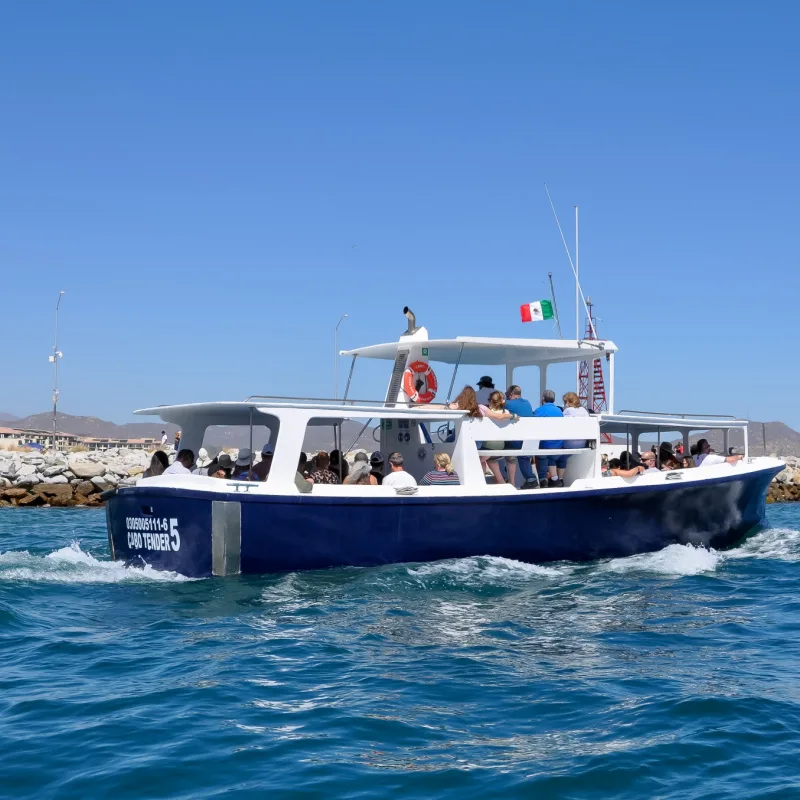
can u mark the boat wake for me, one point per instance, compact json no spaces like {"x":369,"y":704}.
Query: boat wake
{"x":73,"y":565}
{"x":483,"y":569}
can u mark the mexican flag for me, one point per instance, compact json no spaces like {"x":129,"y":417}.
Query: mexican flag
{"x":535,"y":312}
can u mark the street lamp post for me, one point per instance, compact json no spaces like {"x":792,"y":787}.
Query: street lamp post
{"x":57,"y":354}
{"x":336,"y":358}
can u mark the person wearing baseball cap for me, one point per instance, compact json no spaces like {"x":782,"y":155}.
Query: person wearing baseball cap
{"x":261,"y":470}
{"x":376,"y":462}
{"x":485,"y":389}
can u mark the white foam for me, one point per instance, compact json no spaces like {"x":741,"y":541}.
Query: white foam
{"x":484,"y":569}
{"x":73,"y":565}
{"x":777,"y":543}
{"x":675,"y":559}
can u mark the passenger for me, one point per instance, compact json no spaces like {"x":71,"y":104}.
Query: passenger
{"x":549,"y":466}
{"x":177,"y":440}
{"x":687,"y":462}
{"x":649,"y":462}
{"x":495,"y":410}
{"x":398,"y":478}
{"x":158,"y":463}
{"x":467,"y":401}
{"x":679,"y":449}
{"x":517,"y":404}
{"x":666,"y":453}
{"x":261,"y":470}
{"x":670,"y":464}
{"x":323,"y":474}
{"x":706,"y":457}
{"x":202,"y":462}
{"x":360,"y":475}
{"x":338,"y":465}
{"x":182,"y":465}
{"x":573,"y":408}
{"x":615,"y":469}
{"x":485,"y":389}
{"x":443,"y":474}
{"x":376,"y":462}
{"x":305,"y":466}
{"x":360,"y":466}
{"x":302,"y":483}
{"x":242,"y":467}
{"x":216,"y":470}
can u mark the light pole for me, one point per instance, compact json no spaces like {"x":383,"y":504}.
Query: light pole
{"x":336,"y":358}
{"x":54,"y":361}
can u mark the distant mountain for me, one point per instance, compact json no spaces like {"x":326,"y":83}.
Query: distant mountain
{"x":6,"y":417}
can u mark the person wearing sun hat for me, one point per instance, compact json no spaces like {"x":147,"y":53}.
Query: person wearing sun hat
{"x":241,"y":469}
{"x":202,"y":462}
{"x":485,"y":389}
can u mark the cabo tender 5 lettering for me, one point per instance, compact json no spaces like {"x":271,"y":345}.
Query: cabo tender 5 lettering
{"x":153,"y":533}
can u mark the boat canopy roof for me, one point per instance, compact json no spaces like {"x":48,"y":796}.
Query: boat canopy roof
{"x":652,"y":422}
{"x":321,"y":412}
{"x":491,"y":351}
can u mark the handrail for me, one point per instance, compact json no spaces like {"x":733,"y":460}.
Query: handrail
{"x":674,"y":414}
{"x":340,"y":402}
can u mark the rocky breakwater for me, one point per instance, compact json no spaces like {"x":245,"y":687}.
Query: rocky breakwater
{"x":66,"y":479}
{"x":786,"y":484}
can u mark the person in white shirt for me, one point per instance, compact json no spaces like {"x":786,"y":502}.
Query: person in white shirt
{"x":706,"y":457}
{"x":649,"y":461}
{"x":163,"y":438}
{"x":485,"y":389}
{"x":398,"y":478}
{"x":182,"y":465}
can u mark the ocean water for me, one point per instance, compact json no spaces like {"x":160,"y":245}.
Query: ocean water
{"x":669,"y":675}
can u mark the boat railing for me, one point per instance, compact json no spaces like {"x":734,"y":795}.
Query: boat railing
{"x":675,"y":415}
{"x":335,"y":403}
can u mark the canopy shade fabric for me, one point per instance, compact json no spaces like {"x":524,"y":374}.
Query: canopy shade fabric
{"x":492,"y":351}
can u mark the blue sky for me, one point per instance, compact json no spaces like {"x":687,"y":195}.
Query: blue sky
{"x":195,"y":175}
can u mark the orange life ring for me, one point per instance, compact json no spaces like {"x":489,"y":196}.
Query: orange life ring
{"x":419,"y":382}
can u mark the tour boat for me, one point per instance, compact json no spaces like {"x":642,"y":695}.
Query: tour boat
{"x":201,"y":526}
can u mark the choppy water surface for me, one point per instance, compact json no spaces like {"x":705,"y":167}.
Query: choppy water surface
{"x":668,"y":675}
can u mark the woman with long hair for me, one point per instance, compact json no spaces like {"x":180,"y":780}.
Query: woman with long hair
{"x":158,"y":463}
{"x":467,"y":401}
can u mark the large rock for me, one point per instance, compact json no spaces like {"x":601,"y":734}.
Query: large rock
{"x":137,"y":470}
{"x":56,"y":479}
{"x":8,"y":468}
{"x":85,"y":488}
{"x":55,"y":469}
{"x":58,"y":490}
{"x":31,"y":500}
{"x":15,"y":492}
{"x":84,"y":468}
{"x":30,"y":479}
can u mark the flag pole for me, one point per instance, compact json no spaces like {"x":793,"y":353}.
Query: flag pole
{"x":555,"y":305}
{"x":577,"y":306}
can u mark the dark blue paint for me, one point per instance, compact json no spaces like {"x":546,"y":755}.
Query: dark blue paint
{"x":308,"y":532}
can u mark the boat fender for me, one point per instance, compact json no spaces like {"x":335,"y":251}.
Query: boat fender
{"x":419,"y":382}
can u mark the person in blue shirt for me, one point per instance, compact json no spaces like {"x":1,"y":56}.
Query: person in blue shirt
{"x":517,"y":404}
{"x":551,"y":464}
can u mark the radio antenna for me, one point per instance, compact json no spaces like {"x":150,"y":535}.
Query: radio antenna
{"x":579,"y":291}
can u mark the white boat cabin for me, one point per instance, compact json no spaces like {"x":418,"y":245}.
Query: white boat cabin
{"x":413,"y":418}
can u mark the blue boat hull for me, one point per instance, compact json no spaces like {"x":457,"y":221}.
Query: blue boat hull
{"x":172,"y":528}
